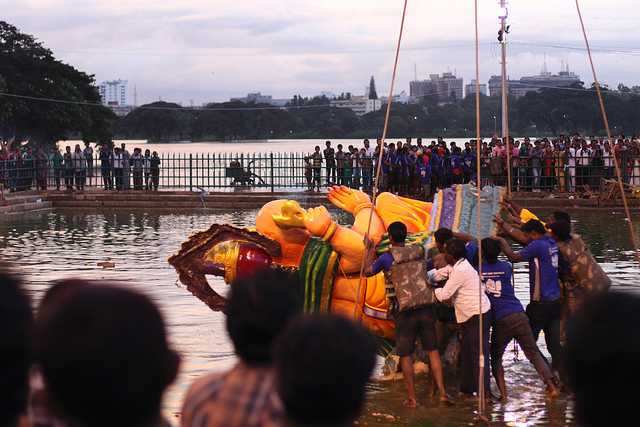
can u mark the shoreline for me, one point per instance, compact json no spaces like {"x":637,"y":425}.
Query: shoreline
{"x":175,"y":201}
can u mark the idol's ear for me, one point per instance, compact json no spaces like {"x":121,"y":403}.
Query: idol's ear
{"x":194,"y":261}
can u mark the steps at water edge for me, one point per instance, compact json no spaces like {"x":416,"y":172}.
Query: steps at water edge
{"x":16,"y":209}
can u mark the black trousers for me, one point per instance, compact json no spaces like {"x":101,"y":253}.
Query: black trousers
{"x":516,"y":325}
{"x":470,"y":353}
{"x":545,"y":316}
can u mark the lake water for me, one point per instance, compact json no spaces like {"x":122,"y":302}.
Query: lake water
{"x":67,"y":244}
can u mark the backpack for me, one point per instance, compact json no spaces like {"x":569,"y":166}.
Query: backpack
{"x":408,"y":275}
{"x":584,"y":269}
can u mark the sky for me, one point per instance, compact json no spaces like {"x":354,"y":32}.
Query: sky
{"x":198,"y":51}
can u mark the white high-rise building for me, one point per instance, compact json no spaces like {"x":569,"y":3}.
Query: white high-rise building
{"x":113,"y":93}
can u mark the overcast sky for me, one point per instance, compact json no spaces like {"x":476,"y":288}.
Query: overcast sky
{"x":196,"y":50}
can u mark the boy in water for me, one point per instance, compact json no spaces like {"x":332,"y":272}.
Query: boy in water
{"x":509,"y":319}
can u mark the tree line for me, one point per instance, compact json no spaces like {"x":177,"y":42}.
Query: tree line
{"x":547,"y":112}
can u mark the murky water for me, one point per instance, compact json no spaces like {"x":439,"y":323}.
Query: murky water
{"x":69,"y":244}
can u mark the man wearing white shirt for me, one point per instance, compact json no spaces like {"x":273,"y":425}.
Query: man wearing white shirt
{"x":463,"y":289}
{"x":571,"y":164}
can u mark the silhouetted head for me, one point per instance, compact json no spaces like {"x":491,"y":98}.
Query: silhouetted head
{"x":257,"y":311}
{"x":490,"y":250}
{"x":603,"y":349}
{"x":397,"y":232}
{"x":560,"y":230}
{"x":442,"y":236}
{"x":16,"y":322}
{"x":455,"y":250}
{"x":323,"y":363}
{"x":533,"y":229}
{"x":104,"y":355}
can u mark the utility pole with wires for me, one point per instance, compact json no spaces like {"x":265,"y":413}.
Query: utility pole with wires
{"x":502,"y":38}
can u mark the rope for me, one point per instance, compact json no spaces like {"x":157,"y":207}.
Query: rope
{"x":481,"y":367}
{"x":632,"y":231}
{"x":357,"y":313}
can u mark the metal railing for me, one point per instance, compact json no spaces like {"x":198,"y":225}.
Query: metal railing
{"x":295,"y":171}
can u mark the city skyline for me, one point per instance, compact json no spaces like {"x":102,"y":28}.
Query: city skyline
{"x":214,"y":51}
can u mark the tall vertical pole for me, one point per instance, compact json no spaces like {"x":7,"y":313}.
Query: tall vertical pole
{"x":505,"y":91}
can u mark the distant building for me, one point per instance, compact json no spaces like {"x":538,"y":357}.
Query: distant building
{"x":360,"y":105}
{"x":446,"y":88}
{"x":526,"y":84}
{"x":495,"y":86}
{"x":470,"y":89}
{"x":259,"y":98}
{"x":254,"y":98}
{"x":121,"y":110}
{"x":113,"y":93}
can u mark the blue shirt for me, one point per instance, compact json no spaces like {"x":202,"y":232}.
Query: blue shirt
{"x":497,"y":280}
{"x":542,"y":255}
{"x":425,"y":172}
{"x":382,"y":263}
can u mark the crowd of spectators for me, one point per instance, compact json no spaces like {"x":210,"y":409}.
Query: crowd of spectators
{"x":563,"y":164}
{"x":24,"y":168}
{"x":98,"y":355}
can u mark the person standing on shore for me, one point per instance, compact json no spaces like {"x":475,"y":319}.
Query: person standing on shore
{"x":57,"y":162}
{"x":146,"y":166}
{"x":126,"y":168}
{"x":155,"y":170}
{"x":69,"y":169}
{"x":137,"y":163}
{"x":106,"y":165}
{"x":316,"y":158}
{"x":340,"y":157}
{"x":80,"y":167}
{"x":330,"y":163}
{"x":88,"y":155}
{"x":118,"y":168}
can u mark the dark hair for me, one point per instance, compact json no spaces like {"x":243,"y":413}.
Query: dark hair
{"x":561,"y":216}
{"x":490,"y":250}
{"x":339,"y":146}
{"x":456,"y":248}
{"x":533,"y":226}
{"x":323,"y":363}
{"x":562,"y":230}
{"x":257,"y":311}
{"x":397,"y":232}
{"x":16,"y":322}
{"x":104,"y":356}
{"x":603,"y":349}
{"x":443,"y":235}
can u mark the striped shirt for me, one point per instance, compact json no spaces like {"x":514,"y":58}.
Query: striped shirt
{"x":245,"y":396}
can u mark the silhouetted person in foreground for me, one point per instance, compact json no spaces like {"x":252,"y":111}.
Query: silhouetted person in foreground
{"x":323,"y":363}
{"x":16,"y":323}
{"x":257,"y":311}
{"x":603,"y":350}
{"x":104,"y":357}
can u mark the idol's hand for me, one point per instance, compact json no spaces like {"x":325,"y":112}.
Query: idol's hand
{"x":318,"y":221}
{"x":348,"y":199}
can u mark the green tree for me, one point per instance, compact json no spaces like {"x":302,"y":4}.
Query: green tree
{"x":28,"y":73}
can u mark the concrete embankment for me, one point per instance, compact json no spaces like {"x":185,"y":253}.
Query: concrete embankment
{"x":19,"y":204}
{"x":184,"y":201}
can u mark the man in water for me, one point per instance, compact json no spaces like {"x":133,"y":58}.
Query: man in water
{"x":509,"y":319}
{"x":462,"y":289}
{"x":402,"y":269}
{"x":545,"y":308}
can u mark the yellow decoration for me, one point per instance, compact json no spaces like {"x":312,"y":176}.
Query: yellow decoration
{"x":225,"y":253}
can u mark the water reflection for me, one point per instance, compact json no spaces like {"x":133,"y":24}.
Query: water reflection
{"x":70,"y":243}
